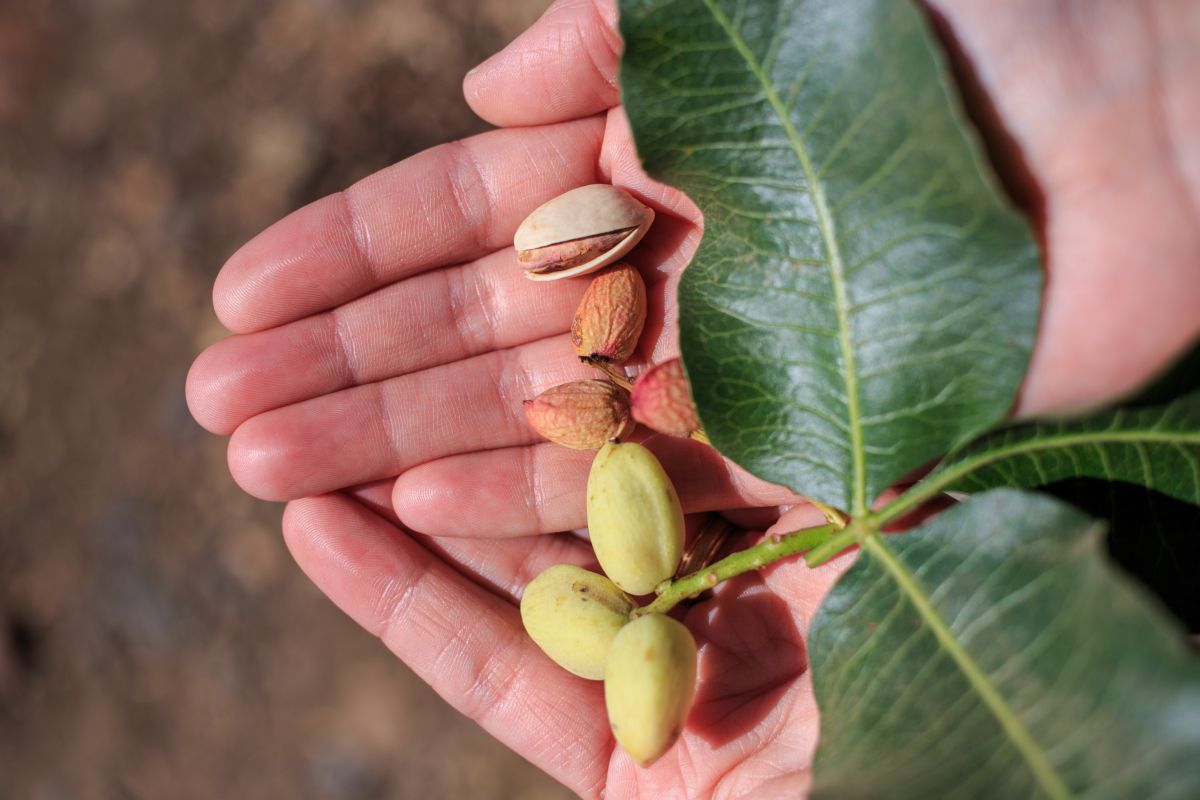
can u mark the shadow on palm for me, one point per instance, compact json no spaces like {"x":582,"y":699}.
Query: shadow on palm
{"x":753,"y":655}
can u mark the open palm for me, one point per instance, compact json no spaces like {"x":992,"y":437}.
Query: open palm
{"x":447,"y":607}
{"x":388,"y":331}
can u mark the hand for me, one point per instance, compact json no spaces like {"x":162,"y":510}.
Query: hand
{"x":447,"y":608}
{"x":358,"y":337}
{"x":387,"y":330}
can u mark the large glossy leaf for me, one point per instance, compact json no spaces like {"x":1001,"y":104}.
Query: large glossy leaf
{"x":863,"y":299}
{"x":995,"y":653}
{"x":1154,"y":537}
{"x":1156,"y":446}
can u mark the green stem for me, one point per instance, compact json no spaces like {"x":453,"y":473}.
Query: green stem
{"x":833,"y":546}
{"x":769,"y":550}
{"x":832,"y":514}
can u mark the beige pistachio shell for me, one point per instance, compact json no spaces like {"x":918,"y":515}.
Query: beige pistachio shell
{"x":649,"y":683}
{"x":573,"y":615}
{"x":634,"y":517}
{"x":580,"y":231}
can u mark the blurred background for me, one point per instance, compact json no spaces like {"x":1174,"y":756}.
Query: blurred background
{"x":156,"y":641}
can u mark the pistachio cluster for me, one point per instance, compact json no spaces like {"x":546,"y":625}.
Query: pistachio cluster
{"x":577,"y":233}
{"x":584,"y":621}
{"x":581,"y":619}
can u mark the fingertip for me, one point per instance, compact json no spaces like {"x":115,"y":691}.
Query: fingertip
{"x":224,"y":385}
{"x":347,"y":551}
{"x":199,"y":389}
{"x":260,"y":462}
{"x":475,"y":495}
{"x":231,"y":292}
{"x":416,"y":500}
{"x":563,"y":67}
{"x":287,"y":271}
{"x":299,"y":517}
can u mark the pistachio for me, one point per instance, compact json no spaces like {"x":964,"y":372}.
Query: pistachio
{"x":610,"y":316}
{"x":649,"y":683}
{"x":634,"y":517}
{"x":572,"y":615}
{"x":662,"y":400}
{"x":579,"y":232}
{"x":582,"y":415}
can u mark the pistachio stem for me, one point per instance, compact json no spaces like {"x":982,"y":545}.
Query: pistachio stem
{"x":845,"y":538}
{"x":831,"y":514}
{"x":769,"y":550}
{"x":619,"y":378}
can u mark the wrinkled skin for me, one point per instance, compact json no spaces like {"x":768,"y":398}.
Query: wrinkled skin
{"x":387,"y":331}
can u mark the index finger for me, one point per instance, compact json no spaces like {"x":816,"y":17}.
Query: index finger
{"x":446,"y":205}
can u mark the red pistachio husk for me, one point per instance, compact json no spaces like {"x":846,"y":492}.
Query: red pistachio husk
{"x":582,"y":415}
{"x":610,"y":316}
{"x":662,"y":400}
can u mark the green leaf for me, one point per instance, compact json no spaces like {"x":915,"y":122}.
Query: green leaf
{"x":863,"y":299}
{"x":1153,"y":537}
{"x":1157,"y":447}
{"x":995,"y":653}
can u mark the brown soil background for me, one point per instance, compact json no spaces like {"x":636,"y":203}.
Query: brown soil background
{"x":156,"y":641}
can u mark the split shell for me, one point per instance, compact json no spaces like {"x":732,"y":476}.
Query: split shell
{"x":595,"y":211}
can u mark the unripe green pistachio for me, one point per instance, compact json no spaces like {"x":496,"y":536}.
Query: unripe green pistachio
{"x":573,"y":615}
{"x":634,"y":517}
{"x":649,"y":682}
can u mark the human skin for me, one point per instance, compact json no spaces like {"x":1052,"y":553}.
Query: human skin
{"x":387,"y":331}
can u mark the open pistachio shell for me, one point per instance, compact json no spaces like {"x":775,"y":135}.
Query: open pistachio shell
{"x":580,"y":231}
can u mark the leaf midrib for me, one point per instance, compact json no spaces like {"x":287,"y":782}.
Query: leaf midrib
{"x":832,"y":251}
{"x":1043,"y":771}
{"x":941,"y":482}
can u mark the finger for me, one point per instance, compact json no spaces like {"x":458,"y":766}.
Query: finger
{"x":431,"y":319}
{"x":505,"y":569}
{"x":369,"y":432}
{"x":427,"y":320}
{"x":445,"y":205}
{"x":520,"y":491}
{"x":462,"y":640}
{"x":564,"y":67}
